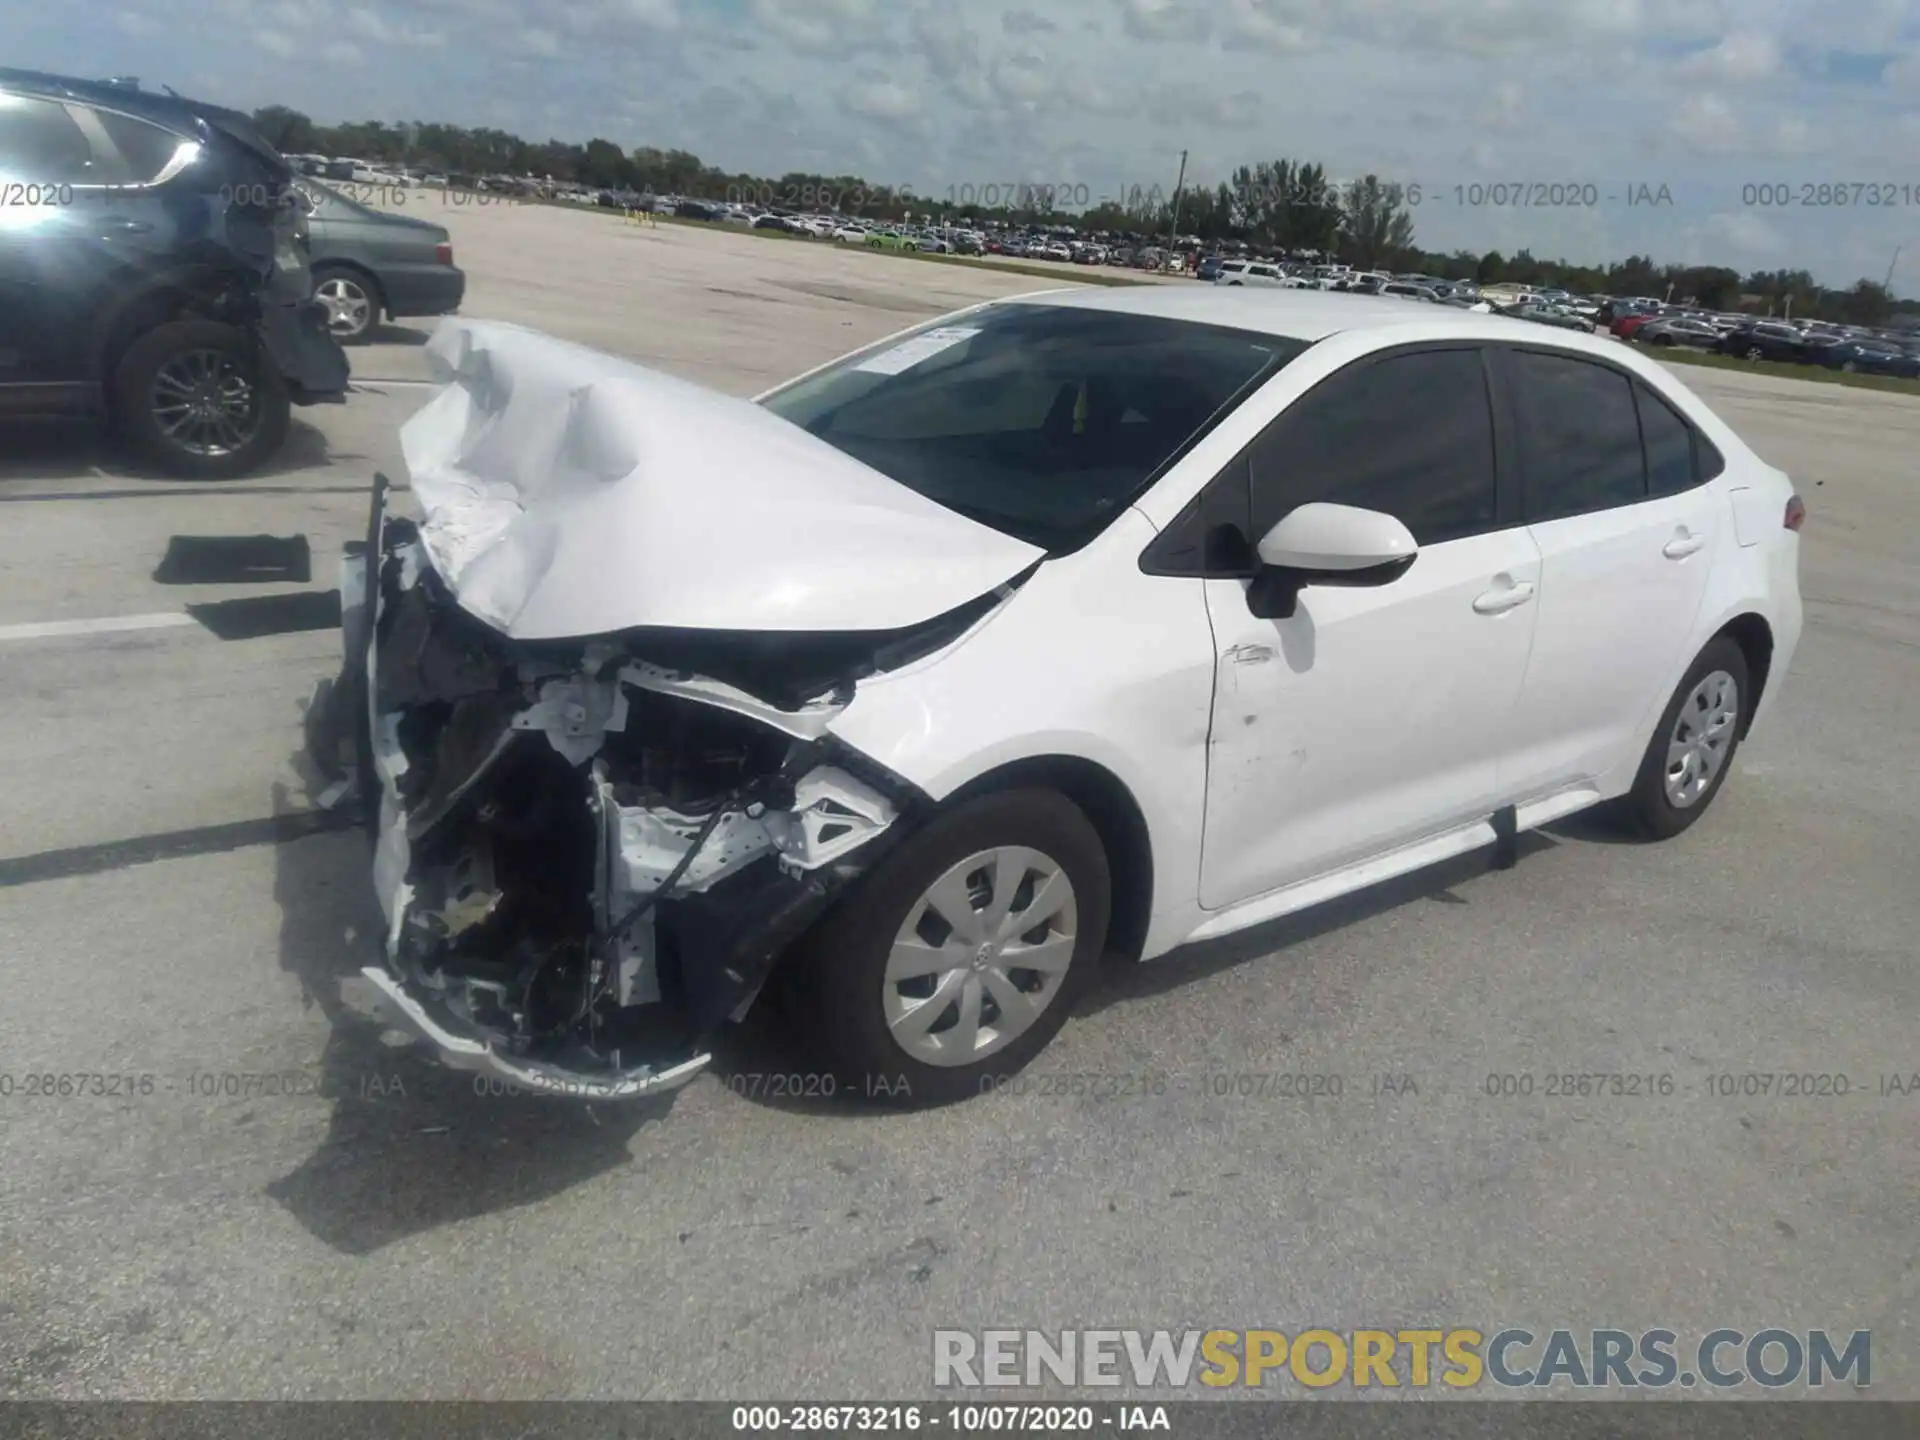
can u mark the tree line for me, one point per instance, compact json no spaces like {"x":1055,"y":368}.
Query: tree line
{"x":1278,"y":206}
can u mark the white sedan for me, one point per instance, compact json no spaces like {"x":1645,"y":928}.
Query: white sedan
{"x":1087,"y":622}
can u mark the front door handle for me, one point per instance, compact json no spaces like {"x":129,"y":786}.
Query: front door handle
{"x":1507,"y":597}
{"x":1682,"y":546}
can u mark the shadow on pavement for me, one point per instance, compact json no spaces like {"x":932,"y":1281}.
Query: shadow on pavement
{"x":1191,"y":963}
{"x":410,"y":1145}
{"x":69,"y":449}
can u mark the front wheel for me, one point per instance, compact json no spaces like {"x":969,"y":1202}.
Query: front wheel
{"x":1756,"y":353}
{"x":957,"y":960}
{"x":1692,"y":750}
{"x":202,"y":399}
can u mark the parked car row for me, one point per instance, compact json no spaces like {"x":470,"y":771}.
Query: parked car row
{"x":1782,"y":341}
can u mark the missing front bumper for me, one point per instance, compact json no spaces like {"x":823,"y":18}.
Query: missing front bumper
{"x":465,"y":1052}
{"x":785,"y":842}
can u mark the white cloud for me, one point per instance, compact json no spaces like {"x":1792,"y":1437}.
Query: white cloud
{"x":1741,"y":58}
{"x":818,"y":27}
{"x":1710,"y":125}
{"x":876,"y":97}
{"x":1163,"y":20}
{"x":1502,"y":108}
{"x":370,"y":24}
{"x":276,"y":42}
{"x":1275,"y":26}
{"x":1745,"y":232}
{"x":1025,"y":22}
{"x":341,"y":52}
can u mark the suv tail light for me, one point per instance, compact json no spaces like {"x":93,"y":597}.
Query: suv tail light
{"x":443,"y":252}
{"x":1796,"y":515}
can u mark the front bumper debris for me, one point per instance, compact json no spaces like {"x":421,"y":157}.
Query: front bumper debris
{"x":462,"y":1052}
{"x":587,"y":862}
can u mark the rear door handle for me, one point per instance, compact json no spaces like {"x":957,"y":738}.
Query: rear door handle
{"x":1682,"y":546}
{"x":1508,"y":597}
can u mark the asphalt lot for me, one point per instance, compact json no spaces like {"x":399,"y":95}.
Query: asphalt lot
{"x":387,"y":1233}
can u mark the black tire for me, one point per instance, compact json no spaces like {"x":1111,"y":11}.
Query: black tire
{"x":839,"y":978}
{"x":1755,"y":354}
{"x":262,"y":431}
{"x":1646,"y":809}
{"x":366,"y":288}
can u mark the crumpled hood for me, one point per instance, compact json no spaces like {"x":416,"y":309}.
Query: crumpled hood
{"x":569,"y":493}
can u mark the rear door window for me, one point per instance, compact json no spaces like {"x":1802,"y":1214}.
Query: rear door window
{"x":1671,"y":464}
{"x":1578,"y":435}
{"x":146,"y":150}
{"x":41,"y":145}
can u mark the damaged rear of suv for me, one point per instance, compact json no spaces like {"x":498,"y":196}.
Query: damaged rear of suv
{"x":154,"y":269}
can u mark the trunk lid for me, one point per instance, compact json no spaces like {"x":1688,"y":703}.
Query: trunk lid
{"x":568,"y":493}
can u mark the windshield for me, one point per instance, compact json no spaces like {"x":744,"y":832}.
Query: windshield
{"x":1042,"y":421}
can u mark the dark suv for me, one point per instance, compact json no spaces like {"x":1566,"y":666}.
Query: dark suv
{"x":153,"y":268}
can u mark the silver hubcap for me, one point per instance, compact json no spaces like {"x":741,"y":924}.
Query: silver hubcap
{"x":349,"y":310}
{"x":981,"y":956}
{"x":204,"y":403}
{"x":1701,"y":737}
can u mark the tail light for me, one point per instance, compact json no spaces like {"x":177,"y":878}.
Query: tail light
{"x":443,"y":252}
{"x":1796,"y":515}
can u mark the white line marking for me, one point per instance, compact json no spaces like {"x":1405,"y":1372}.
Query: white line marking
{"x":105,"y":625}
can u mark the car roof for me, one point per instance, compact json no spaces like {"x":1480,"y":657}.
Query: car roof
{"x":1305,"y":314}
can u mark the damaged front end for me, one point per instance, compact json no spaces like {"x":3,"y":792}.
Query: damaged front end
{"x":588,"y":857}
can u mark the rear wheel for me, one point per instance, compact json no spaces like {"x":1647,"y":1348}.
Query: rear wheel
{"x":201,"y":399}
{"x":1692,"y":749}
{"x":353,"y":302}
{"x":957,"y":960}
{"x":1754,"y":352}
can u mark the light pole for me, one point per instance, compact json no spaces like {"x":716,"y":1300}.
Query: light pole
{"x":1173,"y":235}
{"x":1887,"y":284}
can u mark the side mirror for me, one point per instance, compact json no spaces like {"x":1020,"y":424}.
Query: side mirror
{"x":1327,"y":544}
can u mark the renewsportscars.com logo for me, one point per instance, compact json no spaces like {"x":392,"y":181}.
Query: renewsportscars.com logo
{"x":1458,"y":1358}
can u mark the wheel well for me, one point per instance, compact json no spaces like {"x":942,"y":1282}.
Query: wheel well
{"x":187,"y":297}
{"x":1116,"y":817}
{"x":1755,"y":638}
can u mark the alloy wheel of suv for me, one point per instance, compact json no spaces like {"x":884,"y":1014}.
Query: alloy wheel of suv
{"x":204,"y":402}
{"x":198,"y":397}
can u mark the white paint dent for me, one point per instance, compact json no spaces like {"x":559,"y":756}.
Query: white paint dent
{"x":569,"y":493}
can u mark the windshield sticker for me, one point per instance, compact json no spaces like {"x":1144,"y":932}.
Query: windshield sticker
{"x":909,"y":353}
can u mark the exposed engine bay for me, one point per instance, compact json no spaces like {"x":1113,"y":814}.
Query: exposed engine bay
{"x":589,"y":859}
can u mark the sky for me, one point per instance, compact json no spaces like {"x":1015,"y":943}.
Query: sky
{"x":1711,"y":113}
